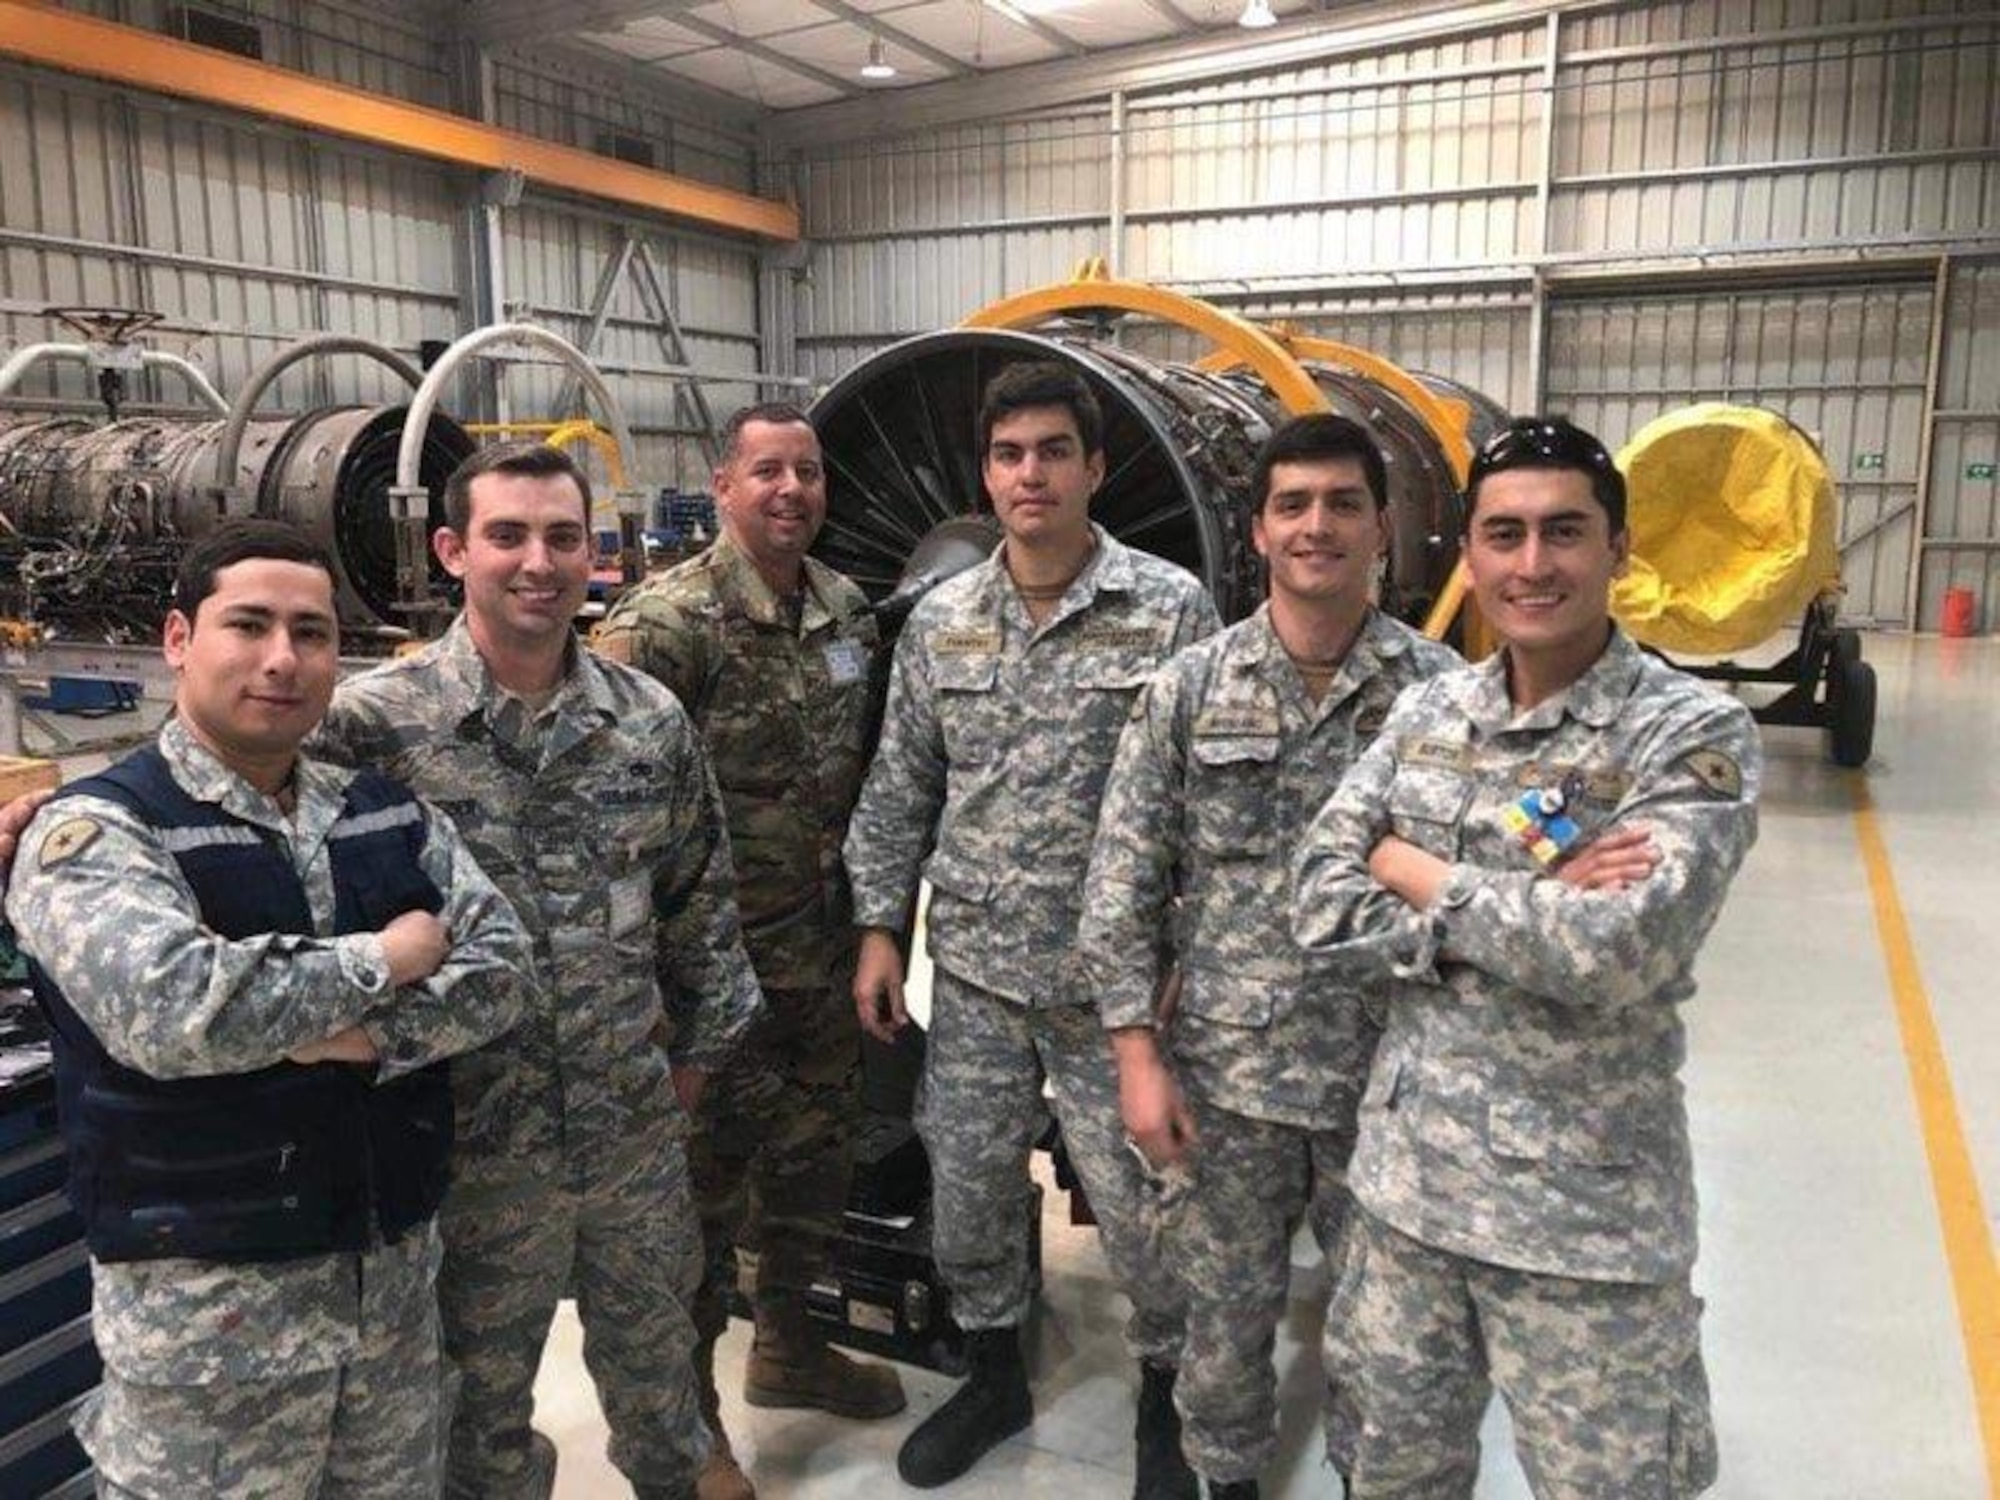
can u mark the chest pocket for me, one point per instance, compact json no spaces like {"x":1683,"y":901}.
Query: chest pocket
{"x":1107,"y":683}
{"x":967,"y":702}
{"x":1233,"y":796}
{"x":1426,"y":804}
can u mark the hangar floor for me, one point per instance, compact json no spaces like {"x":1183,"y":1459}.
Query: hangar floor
{"x":1834,"y":1336}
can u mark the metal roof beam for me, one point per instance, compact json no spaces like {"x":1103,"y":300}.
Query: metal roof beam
{"x":126,"y":55}
{"x":1061,"y":40}
{"x":1155,"y":66}
{"x":498,"y":23}
{"x":754,"y":48}
{"x":895,"y":35}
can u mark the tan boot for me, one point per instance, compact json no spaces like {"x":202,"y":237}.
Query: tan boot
{"x":791,"y":1364}
{"x":721,"y":1478}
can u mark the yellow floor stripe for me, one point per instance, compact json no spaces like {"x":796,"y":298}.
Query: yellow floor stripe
{"x":1968,"y":1239}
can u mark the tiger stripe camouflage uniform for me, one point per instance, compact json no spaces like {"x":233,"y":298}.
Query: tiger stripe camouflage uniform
{"x":996,"y":742}
{"x":779,"y":690}
{"x":599,"y":818}
{"x":319,"y":1376}
{"x":1528,"y":1209}
{"x":1223,"y":765}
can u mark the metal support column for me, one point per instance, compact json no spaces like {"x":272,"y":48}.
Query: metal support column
{"x":1545,"y":174}
{"x":482,"y":269}
{"x":1920,"y":519}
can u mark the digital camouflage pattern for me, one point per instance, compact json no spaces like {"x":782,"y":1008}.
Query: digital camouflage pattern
{"x":996,"y":743}
{"x":1603,"y":1379}
{"x":1224,"y":1217}
{"x":108,"y":915}
{"x":1524,"y":1109}
{"x":599,"y":818}
{"x":995,"y":746}
{"x":1224,"y":763}
{"x":1524,"y":1106}
{"x":980,"y":1111}
{"x":373,"y":1429}
{"x":779,"y":690}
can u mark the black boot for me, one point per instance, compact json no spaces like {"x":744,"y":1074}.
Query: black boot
{"x":988,"y":1409}
{"x":1162,"y":1473}
{"x":1235,"y":1489}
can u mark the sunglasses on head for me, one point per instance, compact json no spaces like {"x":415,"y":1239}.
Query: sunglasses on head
{"x":1540,"y":441}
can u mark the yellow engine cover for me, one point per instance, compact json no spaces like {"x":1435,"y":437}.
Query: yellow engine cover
{"x":1734,"y":529}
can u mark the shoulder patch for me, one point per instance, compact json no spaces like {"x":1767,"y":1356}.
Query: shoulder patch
{"x":615,"y":645}
{"x":965,"y":642}
{"x":66,"y":840}
{"x":1715,"y":771}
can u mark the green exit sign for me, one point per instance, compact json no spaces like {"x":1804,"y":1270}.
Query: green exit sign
{"x":1981,"y":471}
{"x":1868,"y":461}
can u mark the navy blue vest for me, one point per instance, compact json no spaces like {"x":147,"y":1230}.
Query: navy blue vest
{"x":286,"y":1161}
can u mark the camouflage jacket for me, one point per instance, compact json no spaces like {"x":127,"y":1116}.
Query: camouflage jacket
{"x":995,"y":745}
{"x":782,"y":703}
{"x":1524,"y":1106}
{"x":103,"y":907}
{"x":1220,"y":770}
{"x":601,"y":822}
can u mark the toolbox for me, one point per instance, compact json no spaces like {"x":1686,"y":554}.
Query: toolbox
{"x":48,"y":1363}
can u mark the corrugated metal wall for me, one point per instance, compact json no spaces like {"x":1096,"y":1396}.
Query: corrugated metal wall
{"x":1448,"y":205}
{"x":1845,"y":363}
{"x":248,"y":235}
{"x":1962,"y":525}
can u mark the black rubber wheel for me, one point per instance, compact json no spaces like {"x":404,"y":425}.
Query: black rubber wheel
{"x":1851,"y":738}
{"x":1846,"y":648}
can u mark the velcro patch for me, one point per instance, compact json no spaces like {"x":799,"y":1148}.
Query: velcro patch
{"x":1450,"y":755}
{"x":1223,"y":722}
{"x":68,"y":839}
{"x":1119,"y":638}
{"x":1715,"y":771}
{"x":616,"y":645}
{"x":965,"y":642}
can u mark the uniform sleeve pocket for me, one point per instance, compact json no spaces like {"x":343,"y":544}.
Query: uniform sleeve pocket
{"x":1233,"y":1002}
{"x":1563,"y":1134}
{"x":1426,"y":799}
{"x":959,"y":877}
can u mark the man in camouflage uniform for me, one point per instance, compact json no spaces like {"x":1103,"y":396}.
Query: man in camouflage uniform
{"x":1530,"y":854}
{"x":769,"y":652}
{"x":262,"y":1252}
{"x":1249,"y":1117}
{"x":1009,"y":688}
{"x":583,"y":790}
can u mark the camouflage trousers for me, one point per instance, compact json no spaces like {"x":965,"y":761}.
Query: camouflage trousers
{"x":1226,"y":1217}
{"x":980,"y":1111}
{"x":370,"y":1427}
{"x":773,"y":1156}
{"x":1604,"y":1380}
{"x":621,"y":1237}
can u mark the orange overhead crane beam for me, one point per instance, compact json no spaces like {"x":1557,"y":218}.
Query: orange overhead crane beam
{"x":76,"y":43}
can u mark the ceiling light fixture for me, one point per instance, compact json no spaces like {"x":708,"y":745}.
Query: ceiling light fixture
{"x":1257,"y":14}
{"x":879,"y":66}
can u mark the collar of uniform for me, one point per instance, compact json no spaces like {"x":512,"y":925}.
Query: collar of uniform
{"x":1593,"y":699}
{"x":1109,"y":569}
{"x":740,"y":584}
{"x":200,"y":771}
{"x":466,"y":688}
{"x":1377,"y":640}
